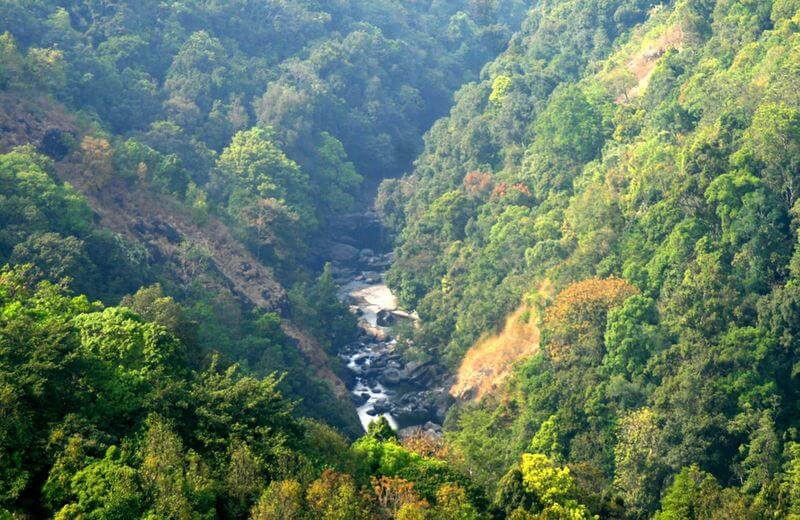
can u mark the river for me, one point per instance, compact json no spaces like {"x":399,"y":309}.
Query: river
{"x":410,"y":393}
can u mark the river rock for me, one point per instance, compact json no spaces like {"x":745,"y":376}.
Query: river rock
{"x":385,"y":318}
{"x":407,"y":416}
{"x":381,"y":406}
{"x":421,"y":374}
{"x":342,"y":273}
{"x":441,"y":404}
{"x":390,"y":376}
{"x":432,"y":427}
{"x":343,"y":253}
{"x":360,"y":399}
{"x":413,"y":367}
{"x":372,"y":278}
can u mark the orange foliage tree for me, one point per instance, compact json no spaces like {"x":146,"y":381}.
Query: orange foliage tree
{"x":478,"y":184}
{"x":426,"y":444}
{"x":575,"y":323}
{"x":393,"y":493}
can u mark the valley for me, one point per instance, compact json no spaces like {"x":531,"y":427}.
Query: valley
{"x":400,"y":260}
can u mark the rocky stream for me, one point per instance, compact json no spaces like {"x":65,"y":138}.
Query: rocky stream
{"x":411,"y":394}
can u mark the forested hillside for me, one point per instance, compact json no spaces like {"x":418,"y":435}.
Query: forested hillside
{"x":622,"y":182}
{"x":171,"y":176}
{"x":593,"y":209}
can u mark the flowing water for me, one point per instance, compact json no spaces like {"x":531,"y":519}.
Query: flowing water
{"x":409,"y":394}
{"x":368,"y":298}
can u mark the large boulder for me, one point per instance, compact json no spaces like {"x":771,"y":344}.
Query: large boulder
{"x":343,"y":253}
{"x":360,"y":398}
{"x":390,"y":376}
{"x":410,"y":416}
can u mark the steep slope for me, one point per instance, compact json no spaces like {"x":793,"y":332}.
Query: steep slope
{"x":183,"y":246}
{"x":644,"y":159}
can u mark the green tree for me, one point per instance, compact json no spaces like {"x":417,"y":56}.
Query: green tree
{"x":452,"y":503}
{"x":632,"y":337}
{"x":553,"y":487}
{"x":106,"y":488}
{"x":59,"y":259}
{"x":773,"y":139}
{"x":255,"y":164}
{"x":790,"y":484}
{"x":334,"y":180}
{"x":316,"y":307}
{"x":639,"y":466}
{"x":162,"y":471}
{"x":695,"y":494}
{"x":381,"y":430}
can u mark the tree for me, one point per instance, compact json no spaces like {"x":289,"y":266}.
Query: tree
{"x":317,"y":308}
{"x":452,"y":503}
{"x":58,"y":259}
{"x":380,"y":430}
{"x":162,"y":470}
{"x":107,"y":488}
{"x":790,"y":484}
{"x":33,"y":202}
{"x":97,"y":157}
{"x":333,"y":496}
{"x":500,"y":87}
{"x":638,"y":457}
{"x":254,"y":163}
{"x":229,"y":405}
{"x":154,"y":306}
{"x":512,"y":495}
{"x":122,"y":339}
{"x":632,"y":336}
{"x":393,"y":494}
{"x":570,"y":126}
{"x":774,"y":140}
{"x":265,"y":191}
{"x":545,"y":441}
{"x":576,"y":320}
{"x":282,"y":500}
{"x":695,"y":495}
{"x":47,"y":68}
{"x":12,"y":62}
{"x":754,"y":224}
{"x":334,"y":179}
{"x":198,"y":72}
{"x":762,"y":460}
{"x":552,"y":487}
{"x":244,"y":479}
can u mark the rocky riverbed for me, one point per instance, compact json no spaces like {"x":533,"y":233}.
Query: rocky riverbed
{"x":410,"y":394}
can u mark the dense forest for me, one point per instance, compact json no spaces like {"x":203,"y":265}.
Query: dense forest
{"x":593,"y":209}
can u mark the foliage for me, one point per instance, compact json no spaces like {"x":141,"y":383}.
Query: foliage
{"x":640,"y":160}
{"x":627,"y":170}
